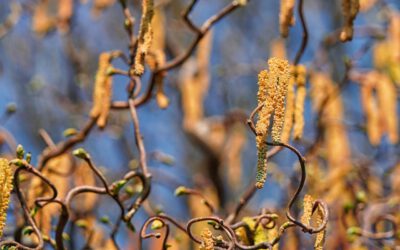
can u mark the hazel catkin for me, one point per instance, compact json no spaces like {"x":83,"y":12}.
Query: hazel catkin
{"x":6,"y":185}
{"x":102,"y":93}
{"x":350,"y":9}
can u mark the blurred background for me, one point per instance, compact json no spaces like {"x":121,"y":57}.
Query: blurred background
{"x":47,"y":73}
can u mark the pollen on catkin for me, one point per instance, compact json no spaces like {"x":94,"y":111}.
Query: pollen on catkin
{"x":145,"y":36}
{"x":271,"y":95}
{"x":279,"y":75}
{"x":6,"y":185}
{"x":102,"y":93}
{"x":300,"y":98}
{"x":207,"y":241}
{"x":320,"y":238}
{"x":266,"y":94}
{"x":290,"y":105}
{"x":286,"y":18}
{"x":350,"y":9}
{"x":308,"y":203}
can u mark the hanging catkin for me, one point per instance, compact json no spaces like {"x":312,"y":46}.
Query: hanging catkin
{"x":6,"y":185}
{"x":272,"y":91}
{"x":290,"y":105}
{"x":320,"y":238}
{"x":145,"y":36}
{"x":371,"y":111}
{"x":300,"y":98}
{"x":370,"y":107}
{"x":394,"y":35}
{"x":286,"y":18}
{"x":279,"y":75}
{"x":350,"y":9}
{"x":65,"y":11}
{"x":42,"y":22}
{"x":102,"y":93}
{"x":266,"y":94}
{"x":307,"y":209}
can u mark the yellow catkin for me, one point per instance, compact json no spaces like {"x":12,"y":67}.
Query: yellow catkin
{"x":337,"y":143}
{"x":266,"y":95}
{"x":144,"y":37}
{"x":194,"y":78}
{"x":370,"y":107}
{"x":300,"y":99}
{"x":156,"y":57}
{"x":207,"y":242}
{"x":320,"y":238}
{"x":286,"y":18}
{"x":42,"y":22}
{"x":387,"y":99}
{"x":161,"y":98}
{"x":272,"y":91}
{"x":6,"y":185}
{"x":307,"y":209}
{"x":394,"y":35}
{"x":65,"y":11}
{"x":350,"y":9}
{"x":336,"y":146}
{"x":279,"y":75}
{"x":290,"y":106}
{"x":102,"y":93}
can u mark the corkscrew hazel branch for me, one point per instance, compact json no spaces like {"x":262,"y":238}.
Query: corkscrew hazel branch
{"x":301,"y":160}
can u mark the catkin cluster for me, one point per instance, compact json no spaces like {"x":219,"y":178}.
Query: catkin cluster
{"x":6,"y":185}
{"x":271,"y":95}
{"x":286,"y":18}
{"x":102,"y":93}
{"x":350,"y":9}
{"x":328,"y":102}
{"x":379,"y":102}
{"x":145,"y":36}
